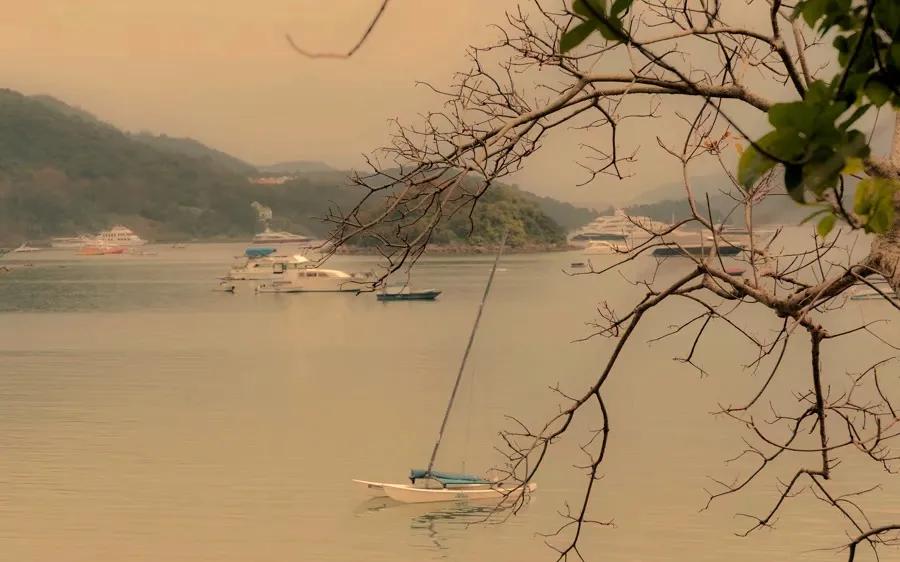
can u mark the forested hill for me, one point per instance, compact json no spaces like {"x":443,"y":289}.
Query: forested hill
{"x":64,"y":171}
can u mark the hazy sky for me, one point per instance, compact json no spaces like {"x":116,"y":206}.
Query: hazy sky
{"x":220,"y":71}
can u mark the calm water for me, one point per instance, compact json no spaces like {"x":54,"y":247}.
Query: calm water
{"x":147,"y":418}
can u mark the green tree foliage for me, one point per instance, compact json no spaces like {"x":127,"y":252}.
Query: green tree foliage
{"x":500,"y":209}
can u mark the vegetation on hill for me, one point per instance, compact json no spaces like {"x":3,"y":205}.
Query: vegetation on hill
{"x":500,"y":210}
{"x":63,"y":171}
{"x":565,"y":214}
{"x":198,"y":150}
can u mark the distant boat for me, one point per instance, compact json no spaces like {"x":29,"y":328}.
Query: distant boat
{"x":69,"y":242}
{"x":100,"y":250}
{"x":865,"y":292}
{"x":602,"y":248}
{"x":407,"y":294}
{"x":25,"y":248}
{"x":225,"y":287}
{"x":313,"y":280}
{"x":269,"y":236}
{"x":696,"y":251}
{"x":120,"y":236}
{"x":136,"y":252}
{"x":618,"y":227}
{"x":682,"y":243}
{"x":260,"y":265}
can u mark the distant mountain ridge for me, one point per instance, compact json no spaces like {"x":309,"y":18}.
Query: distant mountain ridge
{"x":196,"y":149}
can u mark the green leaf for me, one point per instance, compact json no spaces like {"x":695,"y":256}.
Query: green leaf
{"x":825,"y":225}
{"x":812,"y":10}
{"x":589,"y":8}
{"x":753,"y":163}
{"x":857,"y":113}
{"x":814,"y":214}
{"x":877,"y":92}
{"x":853,"y":166}
{"x":793,"y":179}
{"x":575,"y":36}
{"x":619,"y":7}
{"x":611,"y":29}
{"x":874,"y":203}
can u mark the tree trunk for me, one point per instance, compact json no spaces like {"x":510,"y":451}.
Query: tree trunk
{"x":885,"y":252}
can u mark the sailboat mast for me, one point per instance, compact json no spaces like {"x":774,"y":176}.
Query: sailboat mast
{"x":462,"y":365}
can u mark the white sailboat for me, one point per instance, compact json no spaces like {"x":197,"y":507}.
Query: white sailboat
{"x":429,"y":485}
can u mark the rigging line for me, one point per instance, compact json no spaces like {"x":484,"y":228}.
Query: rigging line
{"x":462,"y":365}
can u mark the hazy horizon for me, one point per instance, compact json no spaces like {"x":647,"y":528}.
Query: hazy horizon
{"x":223,"y":74}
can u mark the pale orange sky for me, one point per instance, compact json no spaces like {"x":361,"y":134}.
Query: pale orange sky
{"x":220,"y":71}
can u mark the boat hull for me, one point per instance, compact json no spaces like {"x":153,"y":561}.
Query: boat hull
{"x":100,"y":251}
{"x":874,"y":295}
{"x":287,"y":289}
{"x":406,"y":493}
{"x":374,"y":489}
{"x":411,"y":296}
{"x":696,"y":251}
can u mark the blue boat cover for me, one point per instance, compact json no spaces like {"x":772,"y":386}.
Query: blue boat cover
{"x":446,"y":478}
{"x":259,"y":252}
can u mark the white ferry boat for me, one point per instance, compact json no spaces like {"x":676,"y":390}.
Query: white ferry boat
{"x":120,"y":236}
{"x":618,"y":227}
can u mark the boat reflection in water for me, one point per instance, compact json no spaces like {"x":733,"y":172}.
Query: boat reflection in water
{"x":438,"y":526}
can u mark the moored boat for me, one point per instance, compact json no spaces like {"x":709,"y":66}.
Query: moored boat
{"x":25,"y":248}
{"x":313,"y":280}
{"x":879,"y":290}
{"x":694,"y":250}
{"x":71,"y":242}
{"x":429,"y":485}
{"x":259,"y":264}
{"x":100,"y":250}
{"x":683,"y":243}
{"x":407,"y":294}
{"x":269,"y":236}
{"x":618,"y":227}
{"x":120,"y":236}
{"x":602,"y":248}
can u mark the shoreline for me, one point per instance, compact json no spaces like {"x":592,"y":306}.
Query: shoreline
{"x":438,"y":250}
{"x":463,"y":250}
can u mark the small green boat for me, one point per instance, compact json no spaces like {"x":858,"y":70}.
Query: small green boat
{"x":406,"y":294}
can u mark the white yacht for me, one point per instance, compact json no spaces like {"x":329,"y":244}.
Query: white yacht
{"x":120,"y":236}
{"x":72,"y":242}
{"x":603,"y":248}
{"x":267,"y":267}
{"x":618,"y":227}
{"x":269,"y":236}
{"x":739,"y":235}
{"x":314,"y":280}
{"x":25,"y":248}
{"x":697,"y":243}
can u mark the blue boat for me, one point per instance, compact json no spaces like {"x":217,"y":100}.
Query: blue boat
{"x":405,"y":294}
